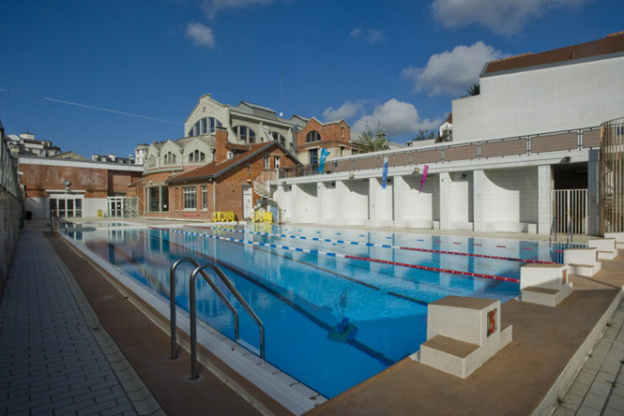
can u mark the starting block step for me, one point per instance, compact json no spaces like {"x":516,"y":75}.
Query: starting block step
{"x":606,"y":247}
{"x":545,"y":296}
{"x":585,"y":270}
{"x":463,"y":333}
{"x":582,"y":261}
{"x":545,"y":284}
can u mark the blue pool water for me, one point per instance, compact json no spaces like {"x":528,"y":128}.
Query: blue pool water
{"x":330,"y":322}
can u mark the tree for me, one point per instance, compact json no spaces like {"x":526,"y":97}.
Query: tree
{"x":475,"y":89}
{"x":423,"y":135}
{"x":369,"y":141}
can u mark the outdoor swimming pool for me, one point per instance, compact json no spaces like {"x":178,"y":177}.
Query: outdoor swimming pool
{"x":338,"y":306}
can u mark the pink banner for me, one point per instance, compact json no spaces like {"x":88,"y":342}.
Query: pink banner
{"x":424,"y":178}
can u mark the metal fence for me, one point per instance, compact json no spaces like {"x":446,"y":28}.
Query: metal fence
{"x":511,"y":146}
{"x":11,"y":209}
{"x":570,"y":211}
{"x":612,"y":176}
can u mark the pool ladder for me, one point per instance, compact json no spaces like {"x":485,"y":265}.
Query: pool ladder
{"x":200,"y":269}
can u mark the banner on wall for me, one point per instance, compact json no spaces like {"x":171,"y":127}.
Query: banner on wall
{"x":385,"y":173}
{"x":424,"y":178}
{"x":324,"y":154}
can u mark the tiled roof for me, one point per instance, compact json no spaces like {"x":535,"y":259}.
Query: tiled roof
{"x":611,"y":44}
{"x":213,"y":170}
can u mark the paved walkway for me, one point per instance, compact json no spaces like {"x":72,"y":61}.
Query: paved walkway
{"x":54,"y":356}
{"x":56,"y":359}
{"x":599,"y":387}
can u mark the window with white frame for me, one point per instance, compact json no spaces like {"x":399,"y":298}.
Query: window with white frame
{"x":204,"y":126}
{"x":267,"y":162}
{"x":276,"y":162}
{"x":245,"y":134}
{"x":204,"y":192}
{"x":189,"y":197}
{"x":196,"y":156}
{"x":170,"y":158}
{"x":278,"y":138}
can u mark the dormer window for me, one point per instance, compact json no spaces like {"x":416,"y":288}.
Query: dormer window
{"x":196,"y":156}
{"x":230,"y":155}
{"x":170,"y":158}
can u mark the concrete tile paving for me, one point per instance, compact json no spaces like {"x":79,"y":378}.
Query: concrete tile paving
{"x":53,"y":352}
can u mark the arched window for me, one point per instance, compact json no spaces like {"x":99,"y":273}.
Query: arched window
{"x":245,"y":134}
{"x":196,"y":156}
{"x":313,"y":136}
{"x":204,"y":126}
{"x":278,"y":137}
{"x":151,"y":162}
{"x":170,"y":158}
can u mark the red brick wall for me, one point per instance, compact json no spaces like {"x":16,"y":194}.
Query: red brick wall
{"x":228,"y":192}
{"x":332,"y":135}
{"x":38,"y":178}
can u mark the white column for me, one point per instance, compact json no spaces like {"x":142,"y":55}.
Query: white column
{"x":544,"y":195}
{"x":480,"y":206}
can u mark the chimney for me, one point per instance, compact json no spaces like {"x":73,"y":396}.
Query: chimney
{"x":221,"y":139}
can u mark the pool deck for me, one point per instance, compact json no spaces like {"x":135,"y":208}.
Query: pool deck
{"x":73,"y":343}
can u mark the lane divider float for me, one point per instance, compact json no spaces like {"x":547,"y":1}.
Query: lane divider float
{"x":351,"y":257}
{"x":357,"y":243}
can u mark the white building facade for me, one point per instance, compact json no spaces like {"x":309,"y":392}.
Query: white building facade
{"x":532,"y":134}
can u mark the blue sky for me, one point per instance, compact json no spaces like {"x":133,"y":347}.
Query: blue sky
{"x":398,"y":64}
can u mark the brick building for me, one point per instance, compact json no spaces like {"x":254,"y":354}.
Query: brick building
{"x":75,"y":188}
{"x":231,"y":182}
{"x":334,"y":136}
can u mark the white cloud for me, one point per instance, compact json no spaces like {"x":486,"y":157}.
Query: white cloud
{"x":451,"y":73}
{"x":345,"y":111}
{"x":200,"y":35}
{"x":501,"y":16}
{"x":368,"y":35}
{"x":396,"y":118}
{"x":212,"y":7}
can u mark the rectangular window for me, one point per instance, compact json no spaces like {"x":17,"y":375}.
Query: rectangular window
{"x":153,"y":196}
{"x":276,"y":161}
{"x":204,"y":190}
{"x":267,"y":162}
{"x":78,"y":206}
{"x":314,"y":157}
{"x":189,"y":197}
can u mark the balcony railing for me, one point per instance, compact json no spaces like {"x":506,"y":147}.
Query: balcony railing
{"x":512,"y":146}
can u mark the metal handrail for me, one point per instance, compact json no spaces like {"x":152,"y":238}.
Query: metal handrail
{"x":172,"y":302}
{"x":193,"y":307}
{"x":553,"y":227}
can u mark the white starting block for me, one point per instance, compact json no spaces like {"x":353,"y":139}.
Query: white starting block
{"x":544,"y":284}
{"x":582,"y":261}
{"x":619,"y":239}
{"x":606,"y":247}
{"x":462,"y":334}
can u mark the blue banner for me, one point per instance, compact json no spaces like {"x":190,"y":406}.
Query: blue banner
{"x":324,"y":154}
{"x":385,"y":173}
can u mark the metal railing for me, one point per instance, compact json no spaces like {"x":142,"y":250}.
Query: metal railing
{"x":199,"y":269}
{"x":577,"y":139}
{"x":11,"y":208}
{"x":570,"y":210}
{"x":612,"y":176}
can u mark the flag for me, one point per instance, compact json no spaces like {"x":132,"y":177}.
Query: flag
{"x":424,"y":178}
{"x":324,"y":154}
{"x":385,"y":173}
